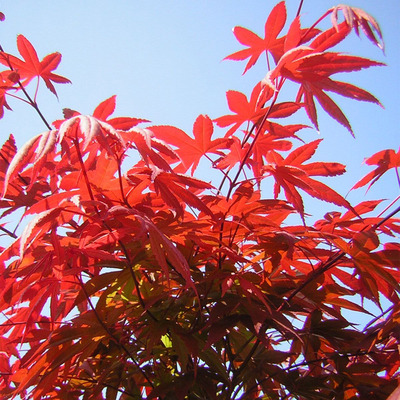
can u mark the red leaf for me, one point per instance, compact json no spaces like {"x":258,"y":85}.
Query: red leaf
{"x":38,"y":225}
{"x":21,"y":159}
{"x":92,"y":129}
{"x":6,"y":83}
{"x":28,"y":52}
{"x":331,"y":108}
{"x":172,"y":188}
{"x":125,"y":123}
{"x":320,"y":65}
{"x":284,"y":110}
{"x":324,"y":169}
{"x":145,"y":143}
{"x":275,"y":23}
{"x":291,"y":172}
{"x":385,"y":160}
{"x":52,"y":201}
{"x":252,"y":291}
{"x":105,"y":109}
{"x":293,"y":37}
{"x":31,"y":67}
{"x":312,"y":71}
{"x":347,"y":90}
{"x":302,"y":153}
{"x":331,"y":37}
{"x":245,"y":110}
{"x":163,"y":248}
{"x":256,"y":45}
{"x":236,"y":155}
{"x":357,"y":18}
{"x":7,"y":153}
{"x":191,"y":150}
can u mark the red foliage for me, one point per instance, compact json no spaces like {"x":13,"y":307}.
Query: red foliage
{"x":134,"y":280}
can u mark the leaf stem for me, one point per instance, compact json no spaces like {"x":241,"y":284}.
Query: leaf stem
{"x":121,"y":187}
{"x":299,"y":9}
{"x":9,"y":233}
{"x":83,"y":168}
{"x":250,"y":149}
{"x":390,"y":205}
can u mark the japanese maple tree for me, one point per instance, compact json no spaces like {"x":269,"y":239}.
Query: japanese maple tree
{"x":131,"y":275}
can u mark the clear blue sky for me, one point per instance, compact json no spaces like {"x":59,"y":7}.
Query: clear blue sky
{"x":163,"y":60}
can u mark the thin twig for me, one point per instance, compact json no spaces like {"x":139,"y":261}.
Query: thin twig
{"x":250,"y":149}
{"x":9,"y":233}
{"x":299,"y":9}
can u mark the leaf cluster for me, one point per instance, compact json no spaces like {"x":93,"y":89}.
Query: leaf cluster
{"x":134,"y":279}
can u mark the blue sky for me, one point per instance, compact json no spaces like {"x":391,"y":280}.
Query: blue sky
{"x":163,"y":60}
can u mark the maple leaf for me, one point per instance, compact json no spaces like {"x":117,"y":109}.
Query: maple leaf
{"x":146,"y":143}
{"x":107,"y":107}
{"x":30,"y":67}
{"x":174,"y":191}
{"x":36,"y":227}
{"x":291,"y":172}
{"x":313,"y":70}
{"x":271,"y":43}
{"x":91,"y":129}
{"x":256,"y":45}
{"x":357,"y":18}
{"x":237,"y":152}
{"x":190,"y":150}
{"x":245,"y":110}
{"x":345,"y":225}
{"x":295,"y":37}
{"x":251,"y":110}
{"x":154,"y":280}
{"x":162,"y":247}
{"x":330,"y":37}
{"x":266,"y":143}
{"x":7,"y":153}
{"x":385,"y":160}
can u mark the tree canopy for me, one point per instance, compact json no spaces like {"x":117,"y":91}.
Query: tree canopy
{"x":131,"y":274}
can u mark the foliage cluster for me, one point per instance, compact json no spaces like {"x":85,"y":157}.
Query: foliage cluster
{"x":134,"y":279}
